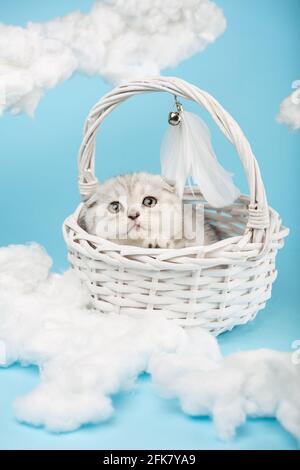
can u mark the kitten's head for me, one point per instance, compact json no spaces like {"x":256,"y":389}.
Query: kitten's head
{"x":133,"y":208}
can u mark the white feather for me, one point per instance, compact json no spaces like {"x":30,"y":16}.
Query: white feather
{"x":186,"y":152}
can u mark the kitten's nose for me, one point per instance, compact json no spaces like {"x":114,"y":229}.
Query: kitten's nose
{"x":133,"y":215}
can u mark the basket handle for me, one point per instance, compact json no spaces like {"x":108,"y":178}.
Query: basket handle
{"x":258,"y":207}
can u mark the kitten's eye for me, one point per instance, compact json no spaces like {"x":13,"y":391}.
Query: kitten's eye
{"x":149,"y":201}
{"x":114,"y":207}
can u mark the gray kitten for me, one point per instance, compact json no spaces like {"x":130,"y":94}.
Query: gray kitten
{"x":143,"y":209}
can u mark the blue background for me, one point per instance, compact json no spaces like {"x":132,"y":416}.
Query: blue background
{"x":249,"y":70}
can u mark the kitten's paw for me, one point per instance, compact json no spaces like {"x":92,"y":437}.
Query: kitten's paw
{"x":158,"y":243}
{"x":149,"y":244}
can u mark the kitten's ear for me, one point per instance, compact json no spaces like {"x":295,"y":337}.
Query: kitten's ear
{"x":89,"y":204}
{"x":169,"y":185}
{"x":93,"y":199}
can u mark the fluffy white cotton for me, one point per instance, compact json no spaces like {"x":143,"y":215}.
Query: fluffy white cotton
{"x":23,"y":267}
{"x":290,"y":108}
{"x":85,"y":357}
{"x":117,"y":39}
{"x":252,"y":383}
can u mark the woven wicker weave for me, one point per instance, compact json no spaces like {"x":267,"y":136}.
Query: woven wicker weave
{"x":216,"y":286}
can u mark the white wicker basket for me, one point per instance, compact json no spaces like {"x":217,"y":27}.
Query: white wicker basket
{"x":216,"y":286}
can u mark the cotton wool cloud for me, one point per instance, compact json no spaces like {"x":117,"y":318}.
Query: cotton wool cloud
{"x":289,"y":112}
{"x":117,"y":39}
{"x":85,"y":357}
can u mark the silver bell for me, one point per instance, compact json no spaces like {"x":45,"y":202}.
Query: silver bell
{"x":174,"y":118}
